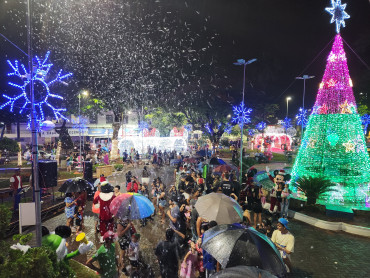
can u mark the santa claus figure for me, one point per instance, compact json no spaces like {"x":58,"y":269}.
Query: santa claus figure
{"x":104,"y":199}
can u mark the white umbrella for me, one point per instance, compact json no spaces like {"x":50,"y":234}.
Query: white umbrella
{"x":220,"y":208}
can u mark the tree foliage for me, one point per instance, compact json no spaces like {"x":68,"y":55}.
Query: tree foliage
{"x":165,"y":121}
{"x":9,"y":144}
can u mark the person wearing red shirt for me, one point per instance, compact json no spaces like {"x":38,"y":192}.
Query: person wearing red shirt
{"x":16,"y":185}
{"x":133,"y":186}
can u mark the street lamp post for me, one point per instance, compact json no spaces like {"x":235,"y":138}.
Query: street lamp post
{"x":304,"y":77}
{"x":84,"y":93}
{"x":287,"y":111}
{"x":242,"y":62}
{"x":35,"y":158}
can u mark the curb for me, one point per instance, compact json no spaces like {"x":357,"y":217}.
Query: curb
{"x":332,"y":226}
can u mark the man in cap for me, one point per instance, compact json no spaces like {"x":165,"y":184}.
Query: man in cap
{"x":284,"y":241}
{"x":106,"y":256}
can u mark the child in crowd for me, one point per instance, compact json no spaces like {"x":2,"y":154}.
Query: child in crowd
{"x":70,"y":208}
{"x":190,"y":263}
{"x":285,"y":199}
{"x":133,"y":250}
{"x":78,"y":216}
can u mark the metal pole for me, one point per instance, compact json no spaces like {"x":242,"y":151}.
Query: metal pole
{"x":286,"y":129}
{"x":304,"y":92}
{"x":241,"y":136}
{"x":79,"y":125}
{"x":35,"y":159}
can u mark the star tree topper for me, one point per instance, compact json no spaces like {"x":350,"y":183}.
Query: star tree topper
{"x":337,"y":10}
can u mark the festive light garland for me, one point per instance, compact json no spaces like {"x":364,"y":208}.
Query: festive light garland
{"x":42,"y":97}
{"x":333,"y":145}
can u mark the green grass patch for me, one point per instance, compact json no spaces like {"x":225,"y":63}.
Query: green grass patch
{"x":279,"y":157}
{"x":82,"y":271}
{"x":68,"y":175}
{"x":15,"y":165}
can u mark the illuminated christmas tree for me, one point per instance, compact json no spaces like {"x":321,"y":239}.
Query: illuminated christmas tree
{"x":333,"y":145}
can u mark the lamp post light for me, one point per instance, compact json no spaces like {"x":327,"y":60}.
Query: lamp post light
{"x":85,"y":94}
{"x":242,"y":62}
{"x":35,"y":158}
{"x":287,"y":111}
{"x":304,"y":78}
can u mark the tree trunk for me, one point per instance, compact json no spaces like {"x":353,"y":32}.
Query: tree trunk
{"x":116,"y":127}
{"x":311,"y":200}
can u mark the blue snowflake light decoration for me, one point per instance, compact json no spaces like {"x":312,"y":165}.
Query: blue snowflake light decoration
{"x":261,"y":126}
{"x":143,"y":125}
{"x":287,"y":123}
{"x":302,"y":117}
{"x":208,"y":128}
{"x":365,"y":121}
{"x":80,"y":124}
{"x":337,"y":10}
{"x":42,"y":97}
{"x":241,"y":115}
{"x":228,"y":128}
{"x":188,"y":127}
{"x":251,"y":132}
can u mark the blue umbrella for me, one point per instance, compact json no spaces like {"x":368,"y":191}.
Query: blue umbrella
{"x":132,"y":206}
{"x":221,"y":161}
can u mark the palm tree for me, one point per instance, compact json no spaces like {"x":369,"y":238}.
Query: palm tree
{"x":313,"y":187}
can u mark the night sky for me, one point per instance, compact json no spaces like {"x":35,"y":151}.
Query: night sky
{"x":284,"y":35}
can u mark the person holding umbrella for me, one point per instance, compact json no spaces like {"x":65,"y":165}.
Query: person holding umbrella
{"x":284,"y":241}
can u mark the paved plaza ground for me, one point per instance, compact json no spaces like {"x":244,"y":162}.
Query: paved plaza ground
{"x":318,"y":253}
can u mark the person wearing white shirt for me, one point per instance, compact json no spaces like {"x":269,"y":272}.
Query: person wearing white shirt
{"x":284,"y":241}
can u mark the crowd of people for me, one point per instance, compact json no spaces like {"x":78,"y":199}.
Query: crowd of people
{"x":180,"y":252}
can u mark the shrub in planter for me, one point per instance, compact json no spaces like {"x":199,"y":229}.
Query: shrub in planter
{"x":5,"y":217}
{"x":313,"y":187}
{"x":118,"y":167}
{"x":97,"y":165}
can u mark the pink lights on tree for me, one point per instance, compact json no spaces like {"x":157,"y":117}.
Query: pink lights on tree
{"x":336,"y":86}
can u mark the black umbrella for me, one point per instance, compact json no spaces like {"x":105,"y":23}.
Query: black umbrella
{"x":243,"y":271}
{"x":214,"y":161}
{"x":234,"y":245}
{"x":75,"y":185}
